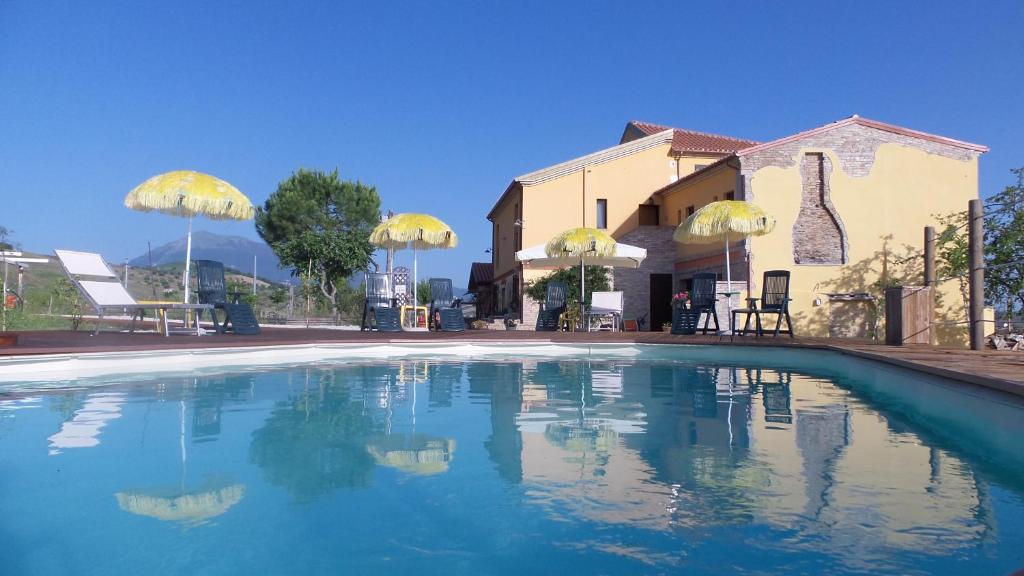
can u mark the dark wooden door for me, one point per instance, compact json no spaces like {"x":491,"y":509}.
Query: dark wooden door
{"x":661,"y":301}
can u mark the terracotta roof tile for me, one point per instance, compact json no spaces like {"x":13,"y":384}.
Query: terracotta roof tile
{"x":684,"y":141}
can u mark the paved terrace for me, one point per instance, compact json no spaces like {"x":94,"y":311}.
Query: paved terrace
{"x":1001,"y":370}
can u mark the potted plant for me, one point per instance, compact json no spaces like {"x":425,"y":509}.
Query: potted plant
{"x":684,"y":317}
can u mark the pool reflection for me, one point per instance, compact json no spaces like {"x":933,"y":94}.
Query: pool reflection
{"x":693,"y":447}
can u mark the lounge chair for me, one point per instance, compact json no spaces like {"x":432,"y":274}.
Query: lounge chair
{"x":774,"y":300}
{"x":387,"y":319}
{"x":104,"y":291}
{"x":606,"y":304}
{"x":238,"y":315}
{"x":703,"y":297}
{"x":378,"y":295}
{"x":444,"y":306}
{"x":552,"y":307}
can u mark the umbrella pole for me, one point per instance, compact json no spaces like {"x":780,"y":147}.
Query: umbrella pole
{"x":728,"y":289}
{"x":415,"y":280}
{"x":583,"y":289}
{"x":188,"y":257}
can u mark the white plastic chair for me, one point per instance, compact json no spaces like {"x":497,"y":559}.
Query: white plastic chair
{"x":105,"y":291}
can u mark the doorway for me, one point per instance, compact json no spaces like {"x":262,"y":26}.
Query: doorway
{"x":649,"y":215}
{"x":661,"y":300}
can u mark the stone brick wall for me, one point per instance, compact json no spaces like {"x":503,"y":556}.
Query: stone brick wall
{"x":531,"y":309}
{"x":853,"y":144}
{"x":636,"y":284}
{"x":818,"y":233}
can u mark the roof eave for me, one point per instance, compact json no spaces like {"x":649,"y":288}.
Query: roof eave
{"x":892,"y":128}
{"x":501,"y":199}
{"x":726,"y":161}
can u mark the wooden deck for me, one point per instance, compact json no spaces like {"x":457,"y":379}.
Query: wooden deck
{"x":992,"y":369}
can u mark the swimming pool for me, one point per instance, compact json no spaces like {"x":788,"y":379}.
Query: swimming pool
{"x":652,"y":460}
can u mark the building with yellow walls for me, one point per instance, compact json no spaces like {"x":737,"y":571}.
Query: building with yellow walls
{"x":851,"y":199}
{"x":610,"y":189}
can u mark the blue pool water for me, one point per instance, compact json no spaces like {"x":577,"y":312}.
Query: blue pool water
{"x":698,"y":462}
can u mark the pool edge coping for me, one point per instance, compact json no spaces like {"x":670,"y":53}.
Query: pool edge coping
{"x":990,"y":382}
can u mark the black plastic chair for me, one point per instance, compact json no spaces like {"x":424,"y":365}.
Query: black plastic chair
{"x":238,"y":315}
{"x":442,"y":298}
{"x":552,"y":307}
{"x":774,"y":300}
{"x":378,"y":295}
{"x":387,"y":319}
{"x":703,"y":297}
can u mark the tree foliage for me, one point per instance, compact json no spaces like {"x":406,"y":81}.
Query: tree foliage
{"x":5,"y":233}
{"x":597,"y":281}
{"x":316,"y":220}
{"x":1004,"y":247}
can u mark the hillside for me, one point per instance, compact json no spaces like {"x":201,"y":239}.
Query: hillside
{"x":235,"y":252}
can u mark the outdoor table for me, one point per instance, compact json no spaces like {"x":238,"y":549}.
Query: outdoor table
{"x":414,"y":318}
{"x":162,"y":307}
{"x":732,"y":329}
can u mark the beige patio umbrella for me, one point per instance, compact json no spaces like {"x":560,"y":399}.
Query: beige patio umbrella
{"x":416,"y":231}
{"x":725,"y":220}
{"x":188,"y":194}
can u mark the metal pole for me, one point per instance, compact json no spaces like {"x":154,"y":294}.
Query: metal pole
{"x":929,"y":256}
{"x":188,"y":259}
{"x":3,"y":300}
{"x":728,"y":289}
{"x":976,"y":273}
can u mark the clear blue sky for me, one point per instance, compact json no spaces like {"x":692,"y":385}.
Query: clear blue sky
{"x":440,"y":104}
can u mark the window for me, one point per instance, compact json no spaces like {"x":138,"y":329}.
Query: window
{"x":602,"y":213}
{"x":689,"y":211}
{"x":699,"y":167}
{"x":679,"y":216}
{"x":730,"y":195}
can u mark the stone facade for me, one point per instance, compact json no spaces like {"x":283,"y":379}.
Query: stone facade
{"x":818,"y":233}
{"x":854,"y":144}
{"x":531,"y":309}
{"x":636,"y":283}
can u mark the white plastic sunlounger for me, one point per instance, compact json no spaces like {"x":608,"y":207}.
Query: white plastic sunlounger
{"x":606,"y":304}
{"x":104,"y":291}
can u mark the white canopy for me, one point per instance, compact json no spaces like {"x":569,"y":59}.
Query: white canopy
{"x":625,"y":256}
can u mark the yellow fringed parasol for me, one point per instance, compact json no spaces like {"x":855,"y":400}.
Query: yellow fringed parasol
{"x":177,"y":505}
{"x":188,"y":194}
{"x":413,"y":453}
{"x":585,"y":244}
{"x":416,"y":231}
{"x":580,"y":242}
{"x":190,"y":509}
{"x":726,"y":220}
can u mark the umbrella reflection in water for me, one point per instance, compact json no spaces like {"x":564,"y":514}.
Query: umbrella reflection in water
{"x":177,"y":505}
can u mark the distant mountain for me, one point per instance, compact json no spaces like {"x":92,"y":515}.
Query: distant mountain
{"x":235,"y":252}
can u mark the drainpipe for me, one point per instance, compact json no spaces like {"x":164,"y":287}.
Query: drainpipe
{"x":584,"y":213}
